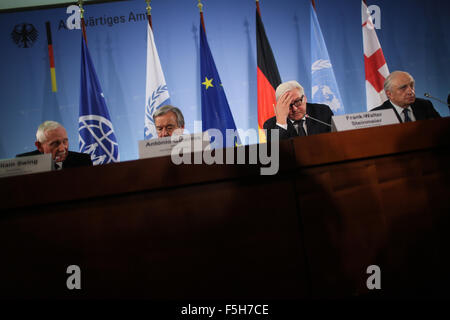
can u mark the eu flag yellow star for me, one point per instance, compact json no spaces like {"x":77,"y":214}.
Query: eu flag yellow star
{"x":208,"y":83}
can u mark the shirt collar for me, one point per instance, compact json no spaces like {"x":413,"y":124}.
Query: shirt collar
{"x":400,"y":109}
{"x":292,"y":121}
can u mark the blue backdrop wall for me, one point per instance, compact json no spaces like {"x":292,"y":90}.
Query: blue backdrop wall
{"x":414,"y":36}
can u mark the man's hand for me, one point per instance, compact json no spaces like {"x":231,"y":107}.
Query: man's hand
{"x":282,"y":107}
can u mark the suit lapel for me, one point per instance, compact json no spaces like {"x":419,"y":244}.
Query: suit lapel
{"x":418,"y":112}
{"x":67,"y":161}
{"x":311,"y":125}
{"x":395,"y":110}
{"x":291,"y":129}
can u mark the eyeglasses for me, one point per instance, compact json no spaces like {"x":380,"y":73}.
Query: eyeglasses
{"x":297,"y":103}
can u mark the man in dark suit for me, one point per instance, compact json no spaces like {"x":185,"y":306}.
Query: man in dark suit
{"x":399,"y":87}
{"x":51,"y":137}
{"x":294,"y":116}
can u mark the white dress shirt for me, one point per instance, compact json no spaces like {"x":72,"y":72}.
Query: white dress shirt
{"x":402,"y":115}
{"x":284,"y":126}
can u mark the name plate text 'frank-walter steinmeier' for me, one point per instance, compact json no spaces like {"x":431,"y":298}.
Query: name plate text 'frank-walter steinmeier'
{"x":363,"y":120}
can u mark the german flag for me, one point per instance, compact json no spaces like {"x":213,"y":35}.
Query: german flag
{"x":268,"y":77}
{"x":51,"y":56}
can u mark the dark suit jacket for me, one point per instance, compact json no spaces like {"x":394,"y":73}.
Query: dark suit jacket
{"x":74,"y":159}
{"x":422,"y":109}
{"x":315,"y":110}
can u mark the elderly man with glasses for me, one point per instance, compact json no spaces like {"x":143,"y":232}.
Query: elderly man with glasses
{"x":294,"y":116}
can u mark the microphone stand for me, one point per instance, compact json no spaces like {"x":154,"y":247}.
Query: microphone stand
{"x":430,"y":96}
{"x":308,"y":116}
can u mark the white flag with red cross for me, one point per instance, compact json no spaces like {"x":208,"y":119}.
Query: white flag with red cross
{"x":374,"y":62}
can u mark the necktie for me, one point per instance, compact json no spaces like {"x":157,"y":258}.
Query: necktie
{"x":406,"y":113}
{"x":298,"y":125}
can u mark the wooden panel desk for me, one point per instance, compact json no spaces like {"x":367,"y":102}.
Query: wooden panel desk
{"x":151,"y":229}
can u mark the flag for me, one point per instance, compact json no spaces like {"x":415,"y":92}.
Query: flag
{"x":323,"y":82}
{"x":156,"y":92}
{"x":95,"y":129}
{"x":51,"y":57}
{"x":374,"y":62}
{"x":51,"y":105}
{"x":268,"y":77}
{"x":216,"y":113}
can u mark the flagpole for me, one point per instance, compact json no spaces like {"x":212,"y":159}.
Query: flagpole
{"x":200,"y":8}
{"x":149,"y":13}
{"x":83,"y":26}
{"x":257,"y":7}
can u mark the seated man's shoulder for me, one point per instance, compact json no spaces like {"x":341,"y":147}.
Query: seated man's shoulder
{"x":421,"y":101}
{"x":378,"y":108}
{"x":385,"y":105}
{"x":427,"y":107}
{"x":26,"y":154}
{"x":270,"y":123}
{"x":78,"y":156}
{"x":318,"y":108}
{"x":78,"y":153}
{"x":318,"y":105}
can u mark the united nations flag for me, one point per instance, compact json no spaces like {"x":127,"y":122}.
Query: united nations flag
{"x":323,"y":81}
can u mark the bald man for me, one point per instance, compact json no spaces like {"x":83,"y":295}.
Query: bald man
{"x":399,"y":87}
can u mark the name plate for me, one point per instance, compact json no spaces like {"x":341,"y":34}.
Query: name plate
{"x":25,"y":165}
{"x":162,"y":147}
{"x":363,"y":120}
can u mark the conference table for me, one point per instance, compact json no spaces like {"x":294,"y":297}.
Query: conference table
{"x":340,"y":205}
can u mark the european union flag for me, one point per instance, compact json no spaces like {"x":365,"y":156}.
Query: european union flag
{"x":216,"y":113}
{"x":323,"y":81}
{"x":95,"y":129}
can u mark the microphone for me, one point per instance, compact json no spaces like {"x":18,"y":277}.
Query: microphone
{"x":430,"y":96}
{"x":308,"y":116}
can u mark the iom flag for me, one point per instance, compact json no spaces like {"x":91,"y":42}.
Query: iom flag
{"x":323,"y":81}
{"x":216,"y":113}
{"x":156,"y":92}
{"x":96,"y":133}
